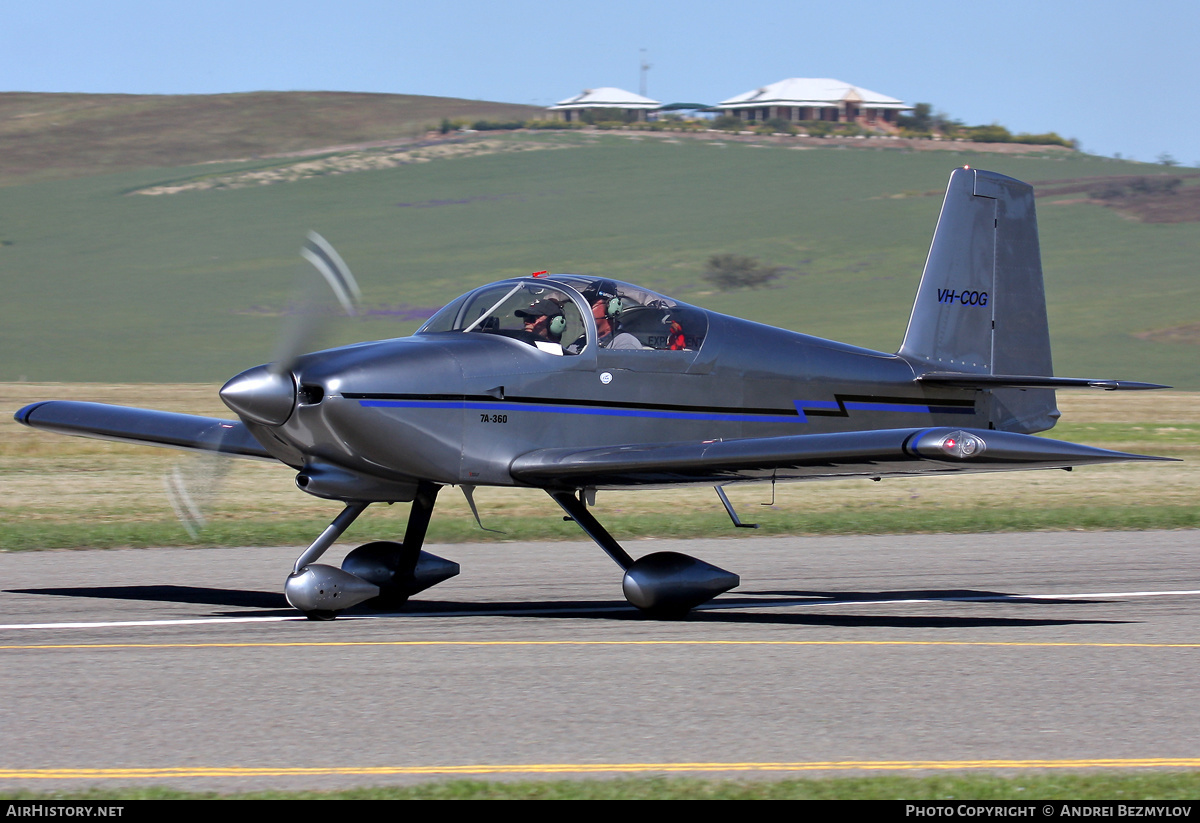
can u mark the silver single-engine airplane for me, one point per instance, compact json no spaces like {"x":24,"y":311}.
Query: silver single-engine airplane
{"x":572,"y":383}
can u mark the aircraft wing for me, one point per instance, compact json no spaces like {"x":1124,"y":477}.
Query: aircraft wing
{"x":143,"y":426}
{"x":885,"y":452}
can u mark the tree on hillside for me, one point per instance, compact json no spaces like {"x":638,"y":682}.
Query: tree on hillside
{"x":735,"y":271}
{"x":921,"y":118}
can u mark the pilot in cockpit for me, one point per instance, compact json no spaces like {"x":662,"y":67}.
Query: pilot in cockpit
{"x":544,"y":320}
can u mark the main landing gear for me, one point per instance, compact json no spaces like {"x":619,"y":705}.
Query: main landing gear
{"x":383,"y":574}
{"x":662,"y":584}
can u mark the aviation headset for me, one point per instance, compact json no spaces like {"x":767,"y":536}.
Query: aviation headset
{"x":608,"y":290}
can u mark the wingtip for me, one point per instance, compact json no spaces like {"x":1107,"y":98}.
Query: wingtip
{"x":22,"y":415}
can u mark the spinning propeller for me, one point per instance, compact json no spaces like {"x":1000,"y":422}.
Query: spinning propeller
{"x":267,"y":394}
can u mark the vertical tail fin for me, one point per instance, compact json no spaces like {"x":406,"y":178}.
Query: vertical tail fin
{"x":981,"y":306}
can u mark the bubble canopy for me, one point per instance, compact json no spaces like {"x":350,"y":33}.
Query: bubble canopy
{"x":559,"y":314}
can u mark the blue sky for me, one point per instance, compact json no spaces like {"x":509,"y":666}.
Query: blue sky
{"x":1118,"y":76}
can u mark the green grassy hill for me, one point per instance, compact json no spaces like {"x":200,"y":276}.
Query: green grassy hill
{"x":101,"y":284}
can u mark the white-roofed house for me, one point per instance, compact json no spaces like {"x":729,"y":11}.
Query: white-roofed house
{"x":814,"y":98}
{"x":573,"y":108}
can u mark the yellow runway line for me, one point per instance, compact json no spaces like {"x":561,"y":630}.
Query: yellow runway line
{"x":531,"y":643}
{"x":148,"y":773}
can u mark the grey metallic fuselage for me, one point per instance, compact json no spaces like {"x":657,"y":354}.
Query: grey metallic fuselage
{"x":458,"y":407}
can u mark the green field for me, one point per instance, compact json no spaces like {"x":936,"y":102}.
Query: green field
{"x":102,"y":285}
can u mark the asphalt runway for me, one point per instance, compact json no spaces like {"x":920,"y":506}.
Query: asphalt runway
{"x":837,"y":655}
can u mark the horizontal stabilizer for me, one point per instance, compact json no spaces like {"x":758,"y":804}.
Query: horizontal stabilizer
{"x":1029,"y":381}
{"x":886,"y":452}
{"x":143,"y":426}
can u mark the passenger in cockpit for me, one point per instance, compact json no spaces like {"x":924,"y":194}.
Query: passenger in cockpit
{"x":606,"y":307}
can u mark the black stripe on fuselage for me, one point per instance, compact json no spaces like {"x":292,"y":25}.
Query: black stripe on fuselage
{"x":847,"y":403}
{"x":563,"y":401}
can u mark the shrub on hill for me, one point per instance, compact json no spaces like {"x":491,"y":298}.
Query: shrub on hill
{"x":735,"y":271}
{"x":727,"y":122}
{"x":495,"y":125}
{"x":998,"y":134}
{"x":679,"y":125}
{"x":923,"y":122}
{"x":551,"y":124}
{"x":1114,"y":190}
{"x":1048,"y":139}
{"x":921,"y":119}
{"x":776,"y":125}
{"x":816,"y":128}
{"x":988,"y":134}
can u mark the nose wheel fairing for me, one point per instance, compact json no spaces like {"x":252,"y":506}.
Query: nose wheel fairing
{"x":319,"y":590}
{"x":382,"y":574}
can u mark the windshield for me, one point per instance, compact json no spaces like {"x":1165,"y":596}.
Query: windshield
{"x":534,"y":312}
{"x":546,"y":313}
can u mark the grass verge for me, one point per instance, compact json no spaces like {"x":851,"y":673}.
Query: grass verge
{"x":70,"y":535}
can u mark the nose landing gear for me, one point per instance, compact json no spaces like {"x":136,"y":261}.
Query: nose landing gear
{"x":383,"y":574}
